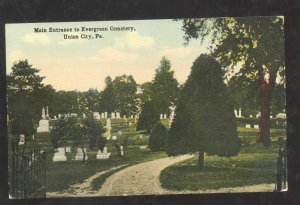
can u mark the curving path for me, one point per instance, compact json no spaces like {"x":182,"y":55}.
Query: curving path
{"x":143,"y":179}
{"x":140,"y":179}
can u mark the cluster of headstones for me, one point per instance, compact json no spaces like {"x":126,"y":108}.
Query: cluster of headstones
{"x":255,"y":126}
{"x":163,"y":116}
{"x":60,"y":154}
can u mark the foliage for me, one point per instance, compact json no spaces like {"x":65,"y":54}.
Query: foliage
{"x":158,"y":137}
{"x":125,"y":89}
{"x":63,"y":131}
{"x":25,"y":92}
{"x":204,"y":118}
{"x":148,"y":117}
{"x":107,"y":101}
{"x":94,"y":130}
{"x":254,"y":45}
{"x":164,"y":88}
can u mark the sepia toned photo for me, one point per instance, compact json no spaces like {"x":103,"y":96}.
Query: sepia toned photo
{"x":146,"y":107}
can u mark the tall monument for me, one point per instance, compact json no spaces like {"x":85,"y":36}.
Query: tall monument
{"x":43,"y":123}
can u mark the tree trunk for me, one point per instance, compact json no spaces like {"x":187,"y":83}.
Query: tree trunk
{"x":266,"y":89}
{"x":83,"y":153}
{"x":201,"y":159}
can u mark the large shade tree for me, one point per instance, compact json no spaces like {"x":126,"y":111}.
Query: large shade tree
{"x":255,"y":44}
{"x":204,"y":118}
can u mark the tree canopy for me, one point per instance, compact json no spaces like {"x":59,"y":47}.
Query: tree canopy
{"x":253,"y":45}
{"x":204,"y":118}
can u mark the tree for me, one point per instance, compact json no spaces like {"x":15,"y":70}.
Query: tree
{"x":88,"y":132}
{"x":22,"y":84}
{"x":125,"y":89}
{"x":158,"y":136}
{"x":107,"y":97}
{"x":254,"y":44}
{"x":204,"y":118}
{"x":62,"y":131}
{"x":164,"y":87}
{"x":244,"y":95}
{"x":149,"y":116}
{"x":94,"y":131}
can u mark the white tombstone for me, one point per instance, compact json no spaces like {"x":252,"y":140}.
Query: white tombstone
{"x":143,"y":147}
{"x":129,"y":123}
{"x":105,"y":115}
{"x":114,"y":137}
{"x":96,"y":115}
{"x":22,"y":140}
{"x":43,"y":123}
{"x":47,"y":113}
{"x":113,"y":115}
{"x":165,"y":116}
{"x":248,"y":126}
{"x":141,"y":136}
{"x":74,"y":115}
{"x":59,"y":116}
{"x":256,"y":126}
{"x":59,"y":155}
{"x":235,"y":113}
{"x":43,"y":114}
{"x":68,"y":149}
{"x":121,"y":150}
{"x":108,"y":137}
{"x":118,"y":115}
{"x":240,"y":112}
{"x":103,"y":155}
{"x":250,"y":116}
{"x":108,"y":123}
{"x":55,"y":118}
{"x":79,"y":155}
{"x":131,"y":116}
{"x":102,"y":115}
{"x":161,"y":116}
{"x":124,"y":117}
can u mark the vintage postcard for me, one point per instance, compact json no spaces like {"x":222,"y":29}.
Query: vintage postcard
{"x":146,"y":107}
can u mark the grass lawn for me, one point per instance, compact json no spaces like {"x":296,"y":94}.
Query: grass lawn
{"x":254,"y":165}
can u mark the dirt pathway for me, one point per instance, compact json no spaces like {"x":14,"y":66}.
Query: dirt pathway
{"x":139,"y":179}
{"x":143,"y":179}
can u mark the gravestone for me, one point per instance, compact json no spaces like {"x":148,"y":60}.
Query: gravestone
{"x":118,"y":115}
{"x":96,"y":115}
{"x":235,"y":113}
{"x":105,"y":115}
{"x":43,"y":123}
{"x":114,"y":137}
{"x":102,"y":115}
{"x":256,"y":126}
{"x":59,"y":155}
{"x":141,"y":136}
{"x":103,"y":155}
{"x":113,"y":115}
{"x":68,"y":149}
{"x":55,"y":118}
{"x":79,"y":155}
{"x":121,"y":150}
{"x":124,"y":117}
{"x":161,"y":116}
{"x":143,"y":147}
{"x":129,"y":123}
{"x":108,"y":137}
{"x":22,"y":140}
{"x":73,"y":115}
{"x":248,"y":126}
{"x":108,"y":123}
{"x":131,"y":116}
{"x":165,"y":116}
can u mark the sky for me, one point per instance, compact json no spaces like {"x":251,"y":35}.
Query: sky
{"x":80,"y":64}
